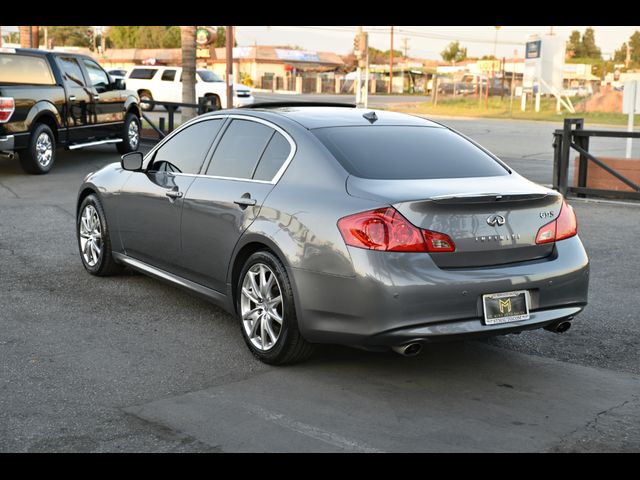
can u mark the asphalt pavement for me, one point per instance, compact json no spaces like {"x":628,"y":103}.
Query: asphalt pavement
{"x":128,"y":363}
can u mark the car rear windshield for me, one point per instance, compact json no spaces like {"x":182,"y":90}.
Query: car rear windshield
{"x":25,"y":69}
{"x":143,"y":73}
{"x":407,"y":152}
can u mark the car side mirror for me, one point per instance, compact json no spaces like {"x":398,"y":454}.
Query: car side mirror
{"x":119,"y":84}
{"x":132,"y":161}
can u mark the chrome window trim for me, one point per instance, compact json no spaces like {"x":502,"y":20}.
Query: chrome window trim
{"x":273,"y":181}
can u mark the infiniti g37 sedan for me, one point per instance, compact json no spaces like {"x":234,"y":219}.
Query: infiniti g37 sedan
{"x":317,"y":224}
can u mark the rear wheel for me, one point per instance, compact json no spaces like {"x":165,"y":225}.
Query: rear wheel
{"x":93,"y":239}
{"x":145,"y":96}
{"x":40,"y":155}
{"x":215,"y":101}
{"x":267,"y":311}
{"x":130,"y":134}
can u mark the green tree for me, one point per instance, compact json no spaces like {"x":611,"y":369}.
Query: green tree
{"x":171,"y":38}
{"x":221,"y":38}
{"x":590,"y":49}
{"x":69,"y":36}
{"x":454,"y":52}
{"x":620,"y":55}
{"x":123,"y":36}
{"x":11,"y":37}
{"x":634,"y":43}
{"x":574,"y":44}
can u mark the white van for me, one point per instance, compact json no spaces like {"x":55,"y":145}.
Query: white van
{"x":164,"y":84}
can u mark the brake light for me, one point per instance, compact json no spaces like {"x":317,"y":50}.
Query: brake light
{"x":7,"y":107}
{"x":386,"y":229}
{"x":565,"y":226}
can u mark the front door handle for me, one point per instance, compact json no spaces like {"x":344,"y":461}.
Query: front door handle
{"x":72,"y":98}
{"x":174,"y":194}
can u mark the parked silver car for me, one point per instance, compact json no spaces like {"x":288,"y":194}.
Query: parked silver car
{"x":317,"y":224}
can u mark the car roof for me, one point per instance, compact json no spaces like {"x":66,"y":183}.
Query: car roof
{"x":312,"y":117}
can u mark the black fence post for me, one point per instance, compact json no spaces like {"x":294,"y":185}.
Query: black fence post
{"x":161,"y":127}
{"x":582,"y":142}
{"x":563,"y":168}
{"x":171,"y":109}
{"x":557,"y":151}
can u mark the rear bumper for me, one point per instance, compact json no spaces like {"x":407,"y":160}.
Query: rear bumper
{"x":399,"y":297}
{"x":7,"y":143}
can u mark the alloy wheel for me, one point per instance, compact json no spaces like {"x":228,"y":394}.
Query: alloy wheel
{"x":44,"y":149}
{"x":90,"y":236}
{"x":261,"y":307}
{"x":133,"y":134}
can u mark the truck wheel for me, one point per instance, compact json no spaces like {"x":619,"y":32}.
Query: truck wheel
{"x":40,"y":155}
{"x":146,"y":96}
{"x":215,"y":101}
{"x":130,"y":135}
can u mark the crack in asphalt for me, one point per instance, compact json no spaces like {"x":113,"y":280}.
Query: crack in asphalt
{"x":9,"y":190}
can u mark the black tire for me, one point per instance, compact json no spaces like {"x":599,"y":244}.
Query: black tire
{"x":146,"y":95}
{"x":215,"y":100}
{"x":128,"y":144}
{"x":105,"y":265}
{"x":290,"y":347}
{"x":29,"y":156}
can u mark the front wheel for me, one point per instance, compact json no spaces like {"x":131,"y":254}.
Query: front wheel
{"x":130,"y":135}
{"x":93,"y":238}
{"x":267,"y":311}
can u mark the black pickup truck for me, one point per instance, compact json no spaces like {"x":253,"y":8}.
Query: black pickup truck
{"x":55,"y":99}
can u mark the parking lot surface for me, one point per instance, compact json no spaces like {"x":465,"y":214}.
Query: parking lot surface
{"x":128,"y":363}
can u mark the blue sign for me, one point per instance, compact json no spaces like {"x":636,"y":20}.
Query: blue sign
{"x":533,"y":49}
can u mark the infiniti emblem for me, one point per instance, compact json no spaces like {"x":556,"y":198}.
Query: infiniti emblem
{"x":494,"y":220}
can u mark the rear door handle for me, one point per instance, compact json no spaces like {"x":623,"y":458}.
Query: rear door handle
{"x":174,"y":194}
{"x":245,"y":202}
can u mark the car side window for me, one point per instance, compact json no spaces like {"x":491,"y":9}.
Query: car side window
{"x":168,"y":75}
{"x":273,"y":158}
{"x":98,"y":77}
{"x":186,"y":150}
{"x":240,"y":149}
{"x":72,"y":72}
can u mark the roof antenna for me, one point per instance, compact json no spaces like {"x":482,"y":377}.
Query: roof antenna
{"x":371,"y":116}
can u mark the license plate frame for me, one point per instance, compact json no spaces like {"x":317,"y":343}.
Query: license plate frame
{"x":497,"y":306}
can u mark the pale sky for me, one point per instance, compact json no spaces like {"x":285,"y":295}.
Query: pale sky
{"x":425,"y":42}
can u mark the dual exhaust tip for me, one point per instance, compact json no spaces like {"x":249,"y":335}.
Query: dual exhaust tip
{"x":7,"y":155}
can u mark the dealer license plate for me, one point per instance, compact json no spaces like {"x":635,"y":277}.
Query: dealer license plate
{"x":506,"y":307}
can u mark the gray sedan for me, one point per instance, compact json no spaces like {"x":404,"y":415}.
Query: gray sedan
{"x":331,"y":224}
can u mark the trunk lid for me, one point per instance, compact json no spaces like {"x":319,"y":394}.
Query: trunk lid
{"x":492,"y":220}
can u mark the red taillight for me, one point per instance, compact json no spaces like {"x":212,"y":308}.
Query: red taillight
{"x":386,"y":229}
{"x":7,"y":106}
{"x":565,"y":226}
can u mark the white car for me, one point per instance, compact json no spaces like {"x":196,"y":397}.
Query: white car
{"x":164,"y":84}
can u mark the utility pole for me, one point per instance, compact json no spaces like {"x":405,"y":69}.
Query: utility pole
{"x":229,"y":55}
{"x":35,"y":37}
{"x":391,"y":64}
{"x":46,"y":36}
{"x":551,"y":31}
{"x":358,"y":53}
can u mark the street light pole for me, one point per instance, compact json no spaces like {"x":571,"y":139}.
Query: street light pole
{"x":391,"y":65}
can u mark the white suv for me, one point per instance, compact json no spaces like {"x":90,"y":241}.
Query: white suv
{"x":164,"y":84}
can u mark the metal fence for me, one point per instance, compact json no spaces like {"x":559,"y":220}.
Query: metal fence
{"x":578,"y":139}
{"x":167,"y":125}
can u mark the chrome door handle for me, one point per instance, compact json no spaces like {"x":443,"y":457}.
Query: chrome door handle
{"x":245,"y":202}
{"x":174,"y":194}
{"x":72,"y":98}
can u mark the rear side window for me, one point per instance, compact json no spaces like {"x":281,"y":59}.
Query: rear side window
{"x":185,"y":151}
{"x":168,"y":75}
{"x":25,"y":69}
{"x":273,"y":158}
{"x":71,"y":71}
{"x":401,"y":152}
{"x":143,"y":73}
{"x":239,"y":150}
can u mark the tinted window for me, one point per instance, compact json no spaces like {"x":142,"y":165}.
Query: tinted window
{"x":273,"y":158}
{"x":97,"y":76}
{"x":168,"y":75}
{"x":71,"y":71}
{"x":208,"y":76}
{"x":185,"y":151}
{"x":240,"y":149}
{"x":407,"y":153}
{"x":143,"y":73}
{"x":25,"y":69}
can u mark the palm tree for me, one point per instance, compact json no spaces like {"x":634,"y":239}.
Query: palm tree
{"x":188,"y":40}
